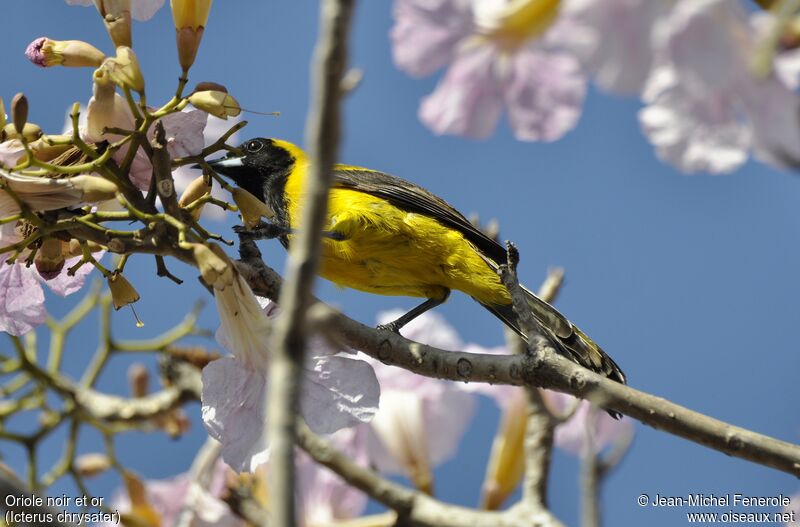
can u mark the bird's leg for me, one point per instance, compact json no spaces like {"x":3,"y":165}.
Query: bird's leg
{"x":268,"y":230}
{"x":263,"y":231}
{"x":427,"y":305}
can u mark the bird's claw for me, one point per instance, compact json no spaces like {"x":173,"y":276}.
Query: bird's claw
{"x":262,"y":231}
{"x":391,"y":326}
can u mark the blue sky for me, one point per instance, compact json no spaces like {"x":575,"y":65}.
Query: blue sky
{"x":689,"y":282}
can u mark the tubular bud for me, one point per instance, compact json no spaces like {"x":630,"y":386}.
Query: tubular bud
{"x":507,"y":459}
{"x":215,"y":268}
{"x":30,"y":132}
{"x":208,"y":85}
{"x":117,"y":18}
{"x":92,"y":464}
{"x":49,"y":260}
{"x":106,"y":108}
{"x":19,"y":112}
{"x":2,"y":113}
{"x":139,"y":379}
{"x":124,"y":71}
{"x":44,"y":151}
{"x":190,"y":17}
{"x":94,"y":188}
{"x":122,"y":292}
{"x":194,"y":191}
{"x":251,"y":207}
{"x":45,"y":52}
{"x":217,"y":103}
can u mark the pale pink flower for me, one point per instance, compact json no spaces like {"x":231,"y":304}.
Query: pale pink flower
{"x":501,"y":57}
{"x":705,"y":109}
{"x":613,"y":39}
{"x":11,"y":152}
{"x":21,"y":295}
{"x":571,"y":435}
{"x":108,"y":109}
{"x":140,"y":9}
{"x":323,"y":498}
{"x":421,"y":420}
{"x":168,"y":497}
{"x":184,"y":175}
{"x":337,"y":391}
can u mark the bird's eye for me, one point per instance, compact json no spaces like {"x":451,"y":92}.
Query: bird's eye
{"x":254,"y":146}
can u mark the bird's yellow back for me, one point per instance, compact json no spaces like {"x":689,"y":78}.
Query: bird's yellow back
{"x":390,"y":251}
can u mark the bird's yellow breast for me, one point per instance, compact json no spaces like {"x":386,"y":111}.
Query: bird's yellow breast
{"x":389,"y":251}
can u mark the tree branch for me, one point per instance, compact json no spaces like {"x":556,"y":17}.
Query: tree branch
{"x":413,"y":507}
{"x":546,"y":370}
{"x":322,"y":137}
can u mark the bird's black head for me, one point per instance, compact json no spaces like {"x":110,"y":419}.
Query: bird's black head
{"x":262,"y":169}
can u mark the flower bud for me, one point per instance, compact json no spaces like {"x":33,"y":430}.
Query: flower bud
{"x":117,"y":18}
{"x":19,"y":112}
{"x":30,"y":132}
{"x":122,"y":292}
{"x":92,"y":464}
{"x":175,"y":423}
{"x":49,"y":260}
{"x":215,"y":268}
{"x":45,"y":52}
{"x":194,"y":191}
{"x":2,"y":113}
{"x":207,"y":85}
{"x":139,"y":379}
{"x":124,"y":71}
{"x":217,"y":103}
{"x":251,"y":208}
{"x":94,"y":188}
{"x":44,"y":151}
{"x":507,"y":458}
{"x":106,"y":108}
{"x":190,"y":17}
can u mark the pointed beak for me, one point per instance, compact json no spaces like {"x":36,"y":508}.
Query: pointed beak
{"x":224,"y":165}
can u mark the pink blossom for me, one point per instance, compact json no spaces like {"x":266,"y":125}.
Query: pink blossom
{"x":184,"y":175}
{"x":107,"y":109}
{"x":705,"y":109}
{"x":571,"y":435}
{"x":613,"y":40}
{"x":337,"y":391}
{"x":140,"y":9}
{"x":421,"y":420}
{"x":499,"y":59}
{"x":322,"y":496}
{"x":11,"y":152}
{"x":168,"y":497}
{"x":21,"y":295}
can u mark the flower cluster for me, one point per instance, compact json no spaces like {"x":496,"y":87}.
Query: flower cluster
{"x":691,"y":61}
{"x":101,"y":168}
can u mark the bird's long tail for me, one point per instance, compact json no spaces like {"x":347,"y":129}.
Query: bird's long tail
{"x":568,"y":339}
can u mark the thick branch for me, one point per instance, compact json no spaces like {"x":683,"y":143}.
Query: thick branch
{"x":323,"y":132}
{"x":413,"y":507}
{"x":546,"y":370}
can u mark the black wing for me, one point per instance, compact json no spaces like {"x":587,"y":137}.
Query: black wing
{"x":413,"y":198}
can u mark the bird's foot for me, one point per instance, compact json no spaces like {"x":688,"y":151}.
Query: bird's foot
{"x":393,"y":326}
{"x":262,"y":231}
